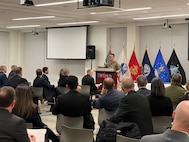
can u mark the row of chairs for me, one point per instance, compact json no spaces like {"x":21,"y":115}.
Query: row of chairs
{"x":83,"y":89}
{"x":160,"y":123}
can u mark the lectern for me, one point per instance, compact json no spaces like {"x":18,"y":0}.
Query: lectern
{"x":102,"y":73}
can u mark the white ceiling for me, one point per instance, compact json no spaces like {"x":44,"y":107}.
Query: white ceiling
{"x":10,"y":9}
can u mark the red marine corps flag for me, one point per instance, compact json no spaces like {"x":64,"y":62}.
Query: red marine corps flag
{"x":134,"y":66}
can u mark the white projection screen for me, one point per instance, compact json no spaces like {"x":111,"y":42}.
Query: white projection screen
{"x":67,"y":43}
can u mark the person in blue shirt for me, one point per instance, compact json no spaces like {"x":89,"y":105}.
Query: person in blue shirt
{"x":110,"y":97}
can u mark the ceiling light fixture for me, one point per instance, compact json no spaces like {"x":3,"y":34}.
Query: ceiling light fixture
{"x":78,"y":23}
{"x":158,"y":17}
{"x":58,"y":3}
{"x":25,"y":26}
{"x":122,"y":10}
{"x":30,"y":18}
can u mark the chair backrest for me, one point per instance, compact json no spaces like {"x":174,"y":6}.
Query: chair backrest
{"x":120,"y":138}
{"x":72,"y":134}
{"x":63,"y":90}
{"x":161,"y":123}
{"x":104,"y":114}
{"x":38,"y":91}
{"x":29,"y":125}
{"x":85,"y":90}
{"x":38,"y":133}
{"x":68,"y":121}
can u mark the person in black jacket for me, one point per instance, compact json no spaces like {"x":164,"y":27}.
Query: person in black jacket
{"x":74,"y":104}
{"x":26,"y":109}
{"x":17,"y":79}
{"x":49,"y":91}
{"x":63,"y":75}
{"x":89,"y":80}
{"x":134,"y":108}
{"x":160,"y":104}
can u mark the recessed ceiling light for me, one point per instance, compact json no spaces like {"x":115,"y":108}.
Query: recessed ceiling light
{"x":78,"y":23}
{"x":158,"y":17}
{"x":58,"y":3}
{"x":25,"y":26}
{"x":30,"y":18}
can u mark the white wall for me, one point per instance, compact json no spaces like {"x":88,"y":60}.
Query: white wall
{"x":28,"y":51}
{"x":156,"y":36}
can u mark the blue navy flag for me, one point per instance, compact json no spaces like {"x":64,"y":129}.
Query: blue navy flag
{"x":147,"y":69}
{"x":175,"y":66}
{"x":160,"y":68}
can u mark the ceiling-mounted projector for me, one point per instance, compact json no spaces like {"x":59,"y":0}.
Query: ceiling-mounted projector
{"x":98,"y":3}
{"x":26,"y":2}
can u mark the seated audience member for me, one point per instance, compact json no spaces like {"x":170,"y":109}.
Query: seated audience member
{"x":12,"y":72}
{"x":112,"y":63}
{"x":17,"y":79}
{"x":179,"y":130}
{"x":142,"y":81}
{"x":74,"y":104}
{"x":134,"y":108}
{"x":175,"y":91}
{"x":12,"y":127}
{"x":186,"y":94}
{"x":110,"y":98}
{"x":159,"y":103}
{"x":49,"y":91}
{"x":63,"y":75}
{"x":89,"y":80}
{"x":45,"y":72}
{"x":3,"y":76}
{"x":26,"y":109}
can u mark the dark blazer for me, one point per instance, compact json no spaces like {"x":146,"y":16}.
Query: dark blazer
{"x":3,"y":79}
{"x":72,"y":104}
{"x":16,"y":80}
{"x":109,"y":101}
{"x":49,"y":91}
{"x":12,"y":128}
{"x":143,"y":91}
{"x":160,"y":106}
{"x":62,"y":81}
{"x":88,"y":80}
{"x":135,"y":108}
{"x":11,"y":74}
{"x":35,"y":119}
{"x":46,"y":78}
{"x":167,"y":136}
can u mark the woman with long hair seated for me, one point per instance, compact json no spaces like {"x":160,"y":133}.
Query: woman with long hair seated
{"x":26,"y":109}
{"x":159,"y":103}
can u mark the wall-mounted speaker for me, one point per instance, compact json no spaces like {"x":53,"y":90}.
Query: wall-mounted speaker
{"x":90,"y":52}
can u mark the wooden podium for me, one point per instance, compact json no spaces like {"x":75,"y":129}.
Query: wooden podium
{"x":102,"y":73}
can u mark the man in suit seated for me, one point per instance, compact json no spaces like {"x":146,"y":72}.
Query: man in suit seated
{"x":74,"y":104}
{"x":17,"y":79}
{"x":110,"y":98}
{"x":89,"y":80}
{"x":45,"y":72}
{"x":3,"y":76}
{"x":49,"y":91}
{"x":179,"y":130}
{"x":133,"y":108}
{"x":12,"y":127}
{"x":142,"y":81}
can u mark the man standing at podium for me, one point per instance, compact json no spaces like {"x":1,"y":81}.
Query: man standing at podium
{"x":112,"y":63}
